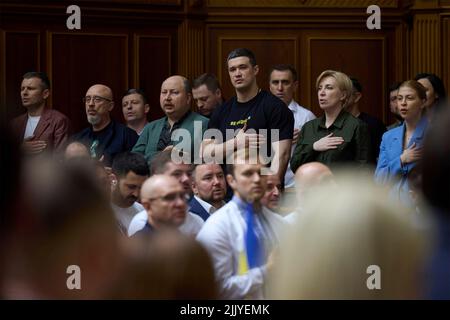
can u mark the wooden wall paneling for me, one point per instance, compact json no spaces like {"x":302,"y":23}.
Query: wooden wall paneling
{"x":446,"y":53}
{"x":269,"y":49}
{"x":425,"y":45}
{"x":302,"y":3}
{"x":191,"y":43}
{"x":153,"y":64}
{"x":21,"y":54}
{"x":357,"y":56}
{"x":79,"y":60}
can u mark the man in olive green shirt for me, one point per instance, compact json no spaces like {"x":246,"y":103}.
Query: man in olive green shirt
{"x":175,"y":99}
{"x":355,"y":147}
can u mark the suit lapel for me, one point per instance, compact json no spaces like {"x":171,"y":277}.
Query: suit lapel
{"x":43,"y":123}
{"x":419,"y":132}
{"x":397,"y":140}
{"x":22,"y":125}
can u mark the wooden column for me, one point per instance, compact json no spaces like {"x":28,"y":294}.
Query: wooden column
{"x":426,"y":41}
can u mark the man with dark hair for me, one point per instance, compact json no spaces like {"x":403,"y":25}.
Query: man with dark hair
{"x":207,"y":94}
{"x":242,"y":235}
{"x":175,"y":99}
{"x":162,"y":164}
{"x":376,"y":126}
{"x":40,"y":128}
{"x":105,"y":137}
{"x":255,"y":109}
{"x":135,"y":108}
{"x":283,"y":84}
{"x":209,"y":188}
{"x":393,"y":107}
{"x":130,"y":170}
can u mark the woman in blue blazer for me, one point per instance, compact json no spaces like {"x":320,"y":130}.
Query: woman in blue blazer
{"x":401,"y":147}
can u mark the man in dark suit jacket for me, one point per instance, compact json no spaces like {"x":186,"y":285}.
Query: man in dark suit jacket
{"x":105,"y":138}
{"x":209,"y":189}
{"x":41,"y":128}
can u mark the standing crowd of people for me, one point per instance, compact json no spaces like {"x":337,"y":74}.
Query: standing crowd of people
{"x":251,"y":197}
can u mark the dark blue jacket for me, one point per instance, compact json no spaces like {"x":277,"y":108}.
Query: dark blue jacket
{"x":197,"y":208}
{"x":115,"y":138}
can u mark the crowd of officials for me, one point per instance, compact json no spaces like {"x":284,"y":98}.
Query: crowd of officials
{"x":251,"y":197}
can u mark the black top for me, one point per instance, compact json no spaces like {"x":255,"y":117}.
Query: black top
{"x":108,"y":142}
{"x":147,"y":230}
{"x":165,"y":138}
{"x":355,"y":148}
{"x":376,"y":130}
{"x":264,"y":111}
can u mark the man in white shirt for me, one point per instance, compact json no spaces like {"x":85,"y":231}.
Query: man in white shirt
{"x":209,"y":188}
{"x":40,"y":128}
{"x":283,"y":84}
{"x":130,"y":170}
{"x":242,"y":235}
{"x":162,"y":164}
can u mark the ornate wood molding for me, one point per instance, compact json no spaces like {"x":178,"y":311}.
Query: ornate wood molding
{"x":303,"y":3}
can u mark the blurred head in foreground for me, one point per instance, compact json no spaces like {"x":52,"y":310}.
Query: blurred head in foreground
{"x":350,"y":238}
{"x":166,"y":265}
{"x":67,"y":222}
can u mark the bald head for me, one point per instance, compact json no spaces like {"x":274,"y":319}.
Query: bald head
{"x":175,"y":97}
{"x":99,"y":103}
{"x":163,"y":197}
{"x":311,"y":175}
{"x":76,"y":150}
{"x":102,"y":90}
{"x":154,"y":185}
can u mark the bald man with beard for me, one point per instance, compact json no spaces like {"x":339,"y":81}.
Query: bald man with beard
{"x":104,"y":137}
{"x":175,"y":100}
{"x":308,"y":176}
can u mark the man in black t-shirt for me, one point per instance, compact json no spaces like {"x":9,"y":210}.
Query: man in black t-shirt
{"x":254,"y":118}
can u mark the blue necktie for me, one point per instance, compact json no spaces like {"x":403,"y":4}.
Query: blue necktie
{"x":254,"y":247}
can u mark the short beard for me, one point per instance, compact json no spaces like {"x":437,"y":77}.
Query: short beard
{"x":94,"y":120}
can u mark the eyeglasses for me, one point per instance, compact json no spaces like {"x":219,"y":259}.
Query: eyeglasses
{"x":171,"y":197}
{"x":96,"y":99}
